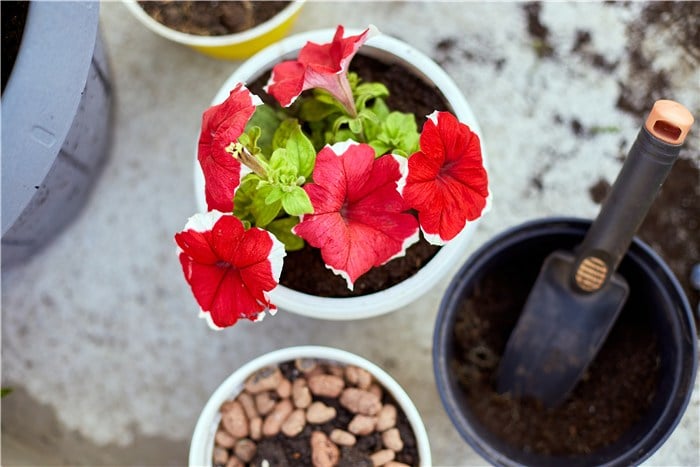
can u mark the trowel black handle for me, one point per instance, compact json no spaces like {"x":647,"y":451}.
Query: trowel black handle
{"x":647,"y":165}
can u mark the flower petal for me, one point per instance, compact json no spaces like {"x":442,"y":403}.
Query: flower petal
{"x":230,"y":270}
{"x":222,"y":124}
{"x":365,"y":225}
{"x":446,"y":183}
{"x":286,"y":82}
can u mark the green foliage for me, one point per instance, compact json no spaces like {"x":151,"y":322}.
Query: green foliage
{"x":374,"y":123}
{"x":272,"y":196}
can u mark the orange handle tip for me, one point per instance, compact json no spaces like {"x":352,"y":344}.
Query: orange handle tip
{"x":669,"y":121}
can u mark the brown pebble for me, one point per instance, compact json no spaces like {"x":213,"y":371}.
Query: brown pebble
{"x":264,"y":403}
{"x":305,"y":365}
{"x":233,"y":419}
{"x":376,"y":389}
{"x":273,"y":422}
{"x":234,"y":462}
{"x":391,"y":439}
{"x":245,"y":449}
{"x":256,"y":428}
{"x":324,"y":453}
{"x":248,"y":404}
{"x":295,"y":423}
{"x":386,"y":418}
{"x":284,"y":390}
{"x":326,"y":385}
{"x":301,"y":393}
{"x":220,"y":456}
{"x":265,"y":379}
{"x":382,"y":457}
{"x":343,"y":438}
{"x":336,"y":370}
{"x":358,"y":376}
{"x":362,"y":425}
{"x":360,"y":401}
{"x":319,"y":413}
{"x":224,"y":439}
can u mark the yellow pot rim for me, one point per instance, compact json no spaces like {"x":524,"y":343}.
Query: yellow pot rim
{"x":194,"y":40}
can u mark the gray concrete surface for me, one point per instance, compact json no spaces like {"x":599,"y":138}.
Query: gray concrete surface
{"x":100,"y":336}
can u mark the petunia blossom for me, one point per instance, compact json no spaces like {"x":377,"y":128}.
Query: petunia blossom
{"x":447,"y":183}
{"x":222,"y":124}
{"x":360,"y":220}
{"x":319,"y":66}
{"x":229,"y":269}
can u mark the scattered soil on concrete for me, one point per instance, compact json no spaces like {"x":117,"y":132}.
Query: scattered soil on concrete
{"x":205,"y":18}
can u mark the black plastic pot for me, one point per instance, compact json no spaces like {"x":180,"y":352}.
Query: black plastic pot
{"x":652,"y":282}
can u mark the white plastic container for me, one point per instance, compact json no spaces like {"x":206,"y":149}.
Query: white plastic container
{"x":202,"y":445}
{"x":449,"y":257}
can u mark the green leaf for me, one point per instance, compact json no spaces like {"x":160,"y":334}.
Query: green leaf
{"x":296,"y":202}
{"x":301,"y":153}
{"x":366,"y":91}
{"x":314,"y":110}
{"x":262,"y":211}
{"x":242,"y":202}
{"x":5,"y":391}
{"x":282,"y":229}
{"x":265,"y":118}
{"x":355,"y":125}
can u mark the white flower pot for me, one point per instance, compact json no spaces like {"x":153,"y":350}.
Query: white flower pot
{"x":202,"y":445}
{"x":449,"y":256}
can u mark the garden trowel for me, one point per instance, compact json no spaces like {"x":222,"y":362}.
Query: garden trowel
{"x":578,"y":296}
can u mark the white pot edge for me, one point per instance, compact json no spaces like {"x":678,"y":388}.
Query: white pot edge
{"x":202,"y":444}
{"x":447,"y":259}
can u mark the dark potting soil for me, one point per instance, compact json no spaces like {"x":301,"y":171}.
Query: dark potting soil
{"x":14,"y":15}
{"x":205,"y":18}
{"x":304,"y":270}
{"x":614,"y":393}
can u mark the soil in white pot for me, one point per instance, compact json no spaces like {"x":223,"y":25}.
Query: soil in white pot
{"x":14,"y":15}
{"x":304,"y":270}
{"x":205,"y":18}
{"x":313,"y":410}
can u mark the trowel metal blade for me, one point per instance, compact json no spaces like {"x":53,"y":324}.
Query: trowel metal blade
{"x":559,"y":333}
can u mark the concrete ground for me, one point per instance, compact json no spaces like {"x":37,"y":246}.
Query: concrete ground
{"x":100,"y":337}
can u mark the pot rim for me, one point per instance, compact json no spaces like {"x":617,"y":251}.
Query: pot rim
{"x":448,"y":257}
{"x":202,"y":443}
{"x":195,"y":40}
{"x":669,"y":418}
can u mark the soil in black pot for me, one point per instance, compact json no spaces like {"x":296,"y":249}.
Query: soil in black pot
{"x":615,"y":392}
{"x":205,"y":18}
{"x":304,"y":270}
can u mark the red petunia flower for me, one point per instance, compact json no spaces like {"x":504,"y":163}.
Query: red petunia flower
{"x":229,"y":269}
{"x":359,"y":219}
{"x":319,"y":66}
{"x":447,"y":183}
{"x":222,"y":125}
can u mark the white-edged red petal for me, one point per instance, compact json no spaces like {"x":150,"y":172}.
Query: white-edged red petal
{"x":360,"y":220}
{"x":222,"y":124}
{"x":229,"y":269}
{"x":447,"y":183}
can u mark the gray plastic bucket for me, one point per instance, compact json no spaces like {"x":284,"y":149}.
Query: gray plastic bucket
{"x":56,"y":121}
